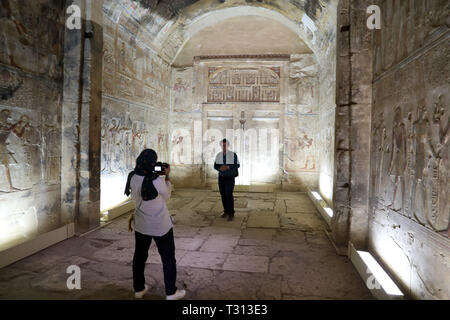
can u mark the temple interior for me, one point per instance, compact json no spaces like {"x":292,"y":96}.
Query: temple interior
{"x":341,"y":130}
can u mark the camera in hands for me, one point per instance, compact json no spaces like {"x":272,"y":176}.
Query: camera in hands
{"x":160,"y":167}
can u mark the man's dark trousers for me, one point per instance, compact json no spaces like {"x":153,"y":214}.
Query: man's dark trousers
{"x":226,"y":187}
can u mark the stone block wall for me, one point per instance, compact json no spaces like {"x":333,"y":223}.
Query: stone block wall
{"x":136,"y":101}
{"x":185,"y":128}
{"x":31,"y":55}
{"x":302,"y":122}
{"x":409,"y":218}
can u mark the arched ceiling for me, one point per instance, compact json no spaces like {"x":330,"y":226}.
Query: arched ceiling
{"x":242,"y":36}
{"x":171,"y":26}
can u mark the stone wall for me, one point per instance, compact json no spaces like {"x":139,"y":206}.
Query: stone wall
{"x":302,"y":132}
{"x":353,"y":118}
{"x":325,"y":39}
{"x":410,"y":163}
{"x":136,"y":102}
{"x":326,"y":125}
{"x":31,"y":54}
{"x":185,"y":129}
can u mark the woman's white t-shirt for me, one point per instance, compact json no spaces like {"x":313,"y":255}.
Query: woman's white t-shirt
{"x":153,"y":218}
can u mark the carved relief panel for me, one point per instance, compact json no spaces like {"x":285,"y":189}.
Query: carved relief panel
{"x":243,"y":85}
{"x":410,"y":164}
{"x":22,"y":148}
{"x":301,"y":144}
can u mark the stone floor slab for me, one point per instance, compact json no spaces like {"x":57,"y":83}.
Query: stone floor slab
{"x":205,"y":260}
{"x":255,"y":242}
{"x":182,"y":231}
{"x":233,"y":285}
{"x":305,"y":221}
{"x":189,"y":244}
{"x":246,"y":263}
{"x":213,"y":230}
{"x":220,"y":243}
{"x":253,"y":250}
{"x":263,"y":220}
{"x":258,"y":233}
{"x":301,"y":204}
{"x":260,"y":205}
{"x":287,"y":265}
{"x":224,"y":223}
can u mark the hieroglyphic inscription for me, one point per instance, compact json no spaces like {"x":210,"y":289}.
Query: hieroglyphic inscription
{"x":244,"y":85}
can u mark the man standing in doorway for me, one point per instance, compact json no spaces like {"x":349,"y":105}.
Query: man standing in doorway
{"x":227,"y":163}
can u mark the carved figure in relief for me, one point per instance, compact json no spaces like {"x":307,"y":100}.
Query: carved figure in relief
{"x":305,"y":145}
{"x":421,"y":142}
{"x":178,"y":149}
{"x":306,"y":92}
{"x":385,"y":150}
{"x":113,"y":133}
{"x":378,"y":152}
{"x":51,"y":138}
{"x":135,"y":136}
{"x":303,"y":72}
{"x":6,"y":156}
{"x":162,"y":143}
{"x":108,"y":58}
{"x":180,"y":86}
{"x":142,"y":136}
{"x":301,"y":152}
{"x":15,"y":141}
{"x":122,"y":141}
{"x":105,"y":146}
{"x":180,"y":89}
{"x":126,"y":66}
{"x":397,"y":164}
{"x":438,"y":216}
{"x":410,"y":170}
{"x":125,"y":142}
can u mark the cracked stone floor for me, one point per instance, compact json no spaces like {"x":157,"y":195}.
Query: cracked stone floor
{"x":275,"y":248}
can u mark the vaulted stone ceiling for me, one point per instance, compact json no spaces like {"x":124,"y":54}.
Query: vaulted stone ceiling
{"x":250,"y":35}
{"x":169,"y":25}
{"x":170,"y":8}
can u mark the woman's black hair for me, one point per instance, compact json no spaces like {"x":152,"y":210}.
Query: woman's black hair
{"x":144,"y":167}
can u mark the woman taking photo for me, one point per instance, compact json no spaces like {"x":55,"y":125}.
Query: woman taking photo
{"x":152,"y":220}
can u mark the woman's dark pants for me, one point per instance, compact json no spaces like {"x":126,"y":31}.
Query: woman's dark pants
{"x":166,"y":249}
